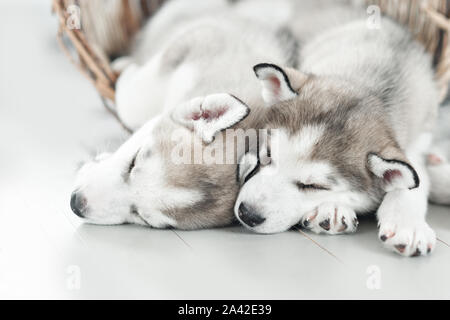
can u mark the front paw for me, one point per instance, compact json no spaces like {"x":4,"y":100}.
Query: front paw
{"x":408,"y":238}
{"x":331,"y":219}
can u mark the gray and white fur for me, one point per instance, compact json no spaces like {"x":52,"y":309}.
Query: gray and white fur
{"x":349,"y":127}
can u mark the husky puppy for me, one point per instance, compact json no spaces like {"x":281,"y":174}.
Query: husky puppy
{"x":143,"y":182}
{"x":347,"y":133}
{"x":350,"y":139}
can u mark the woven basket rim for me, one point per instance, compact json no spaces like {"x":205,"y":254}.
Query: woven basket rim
{"x":434,"y":35}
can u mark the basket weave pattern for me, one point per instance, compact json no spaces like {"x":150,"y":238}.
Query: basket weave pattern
{"x":428,"y":21}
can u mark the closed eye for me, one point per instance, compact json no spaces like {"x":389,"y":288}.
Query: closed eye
{"x":253,"y":172}
{"x":132,"y":163}
{"x":129,"y":169}
{"x":310,"y":187}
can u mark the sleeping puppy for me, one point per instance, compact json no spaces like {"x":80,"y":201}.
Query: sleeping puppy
{"x":346,"y":135}
{"x":168,"y":174}
{"x":350,"y":139}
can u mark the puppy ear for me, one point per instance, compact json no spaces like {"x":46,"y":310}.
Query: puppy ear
{"x":209,"y":115}
{"x":395,"y":171}
{"x":278,"y":84}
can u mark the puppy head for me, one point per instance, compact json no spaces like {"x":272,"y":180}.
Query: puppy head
{"x":323,"y":147}
{"x":159,"y":177}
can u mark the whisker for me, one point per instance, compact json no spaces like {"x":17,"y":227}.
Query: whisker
{"x":187,"y":244}
{"x":319,"y":245}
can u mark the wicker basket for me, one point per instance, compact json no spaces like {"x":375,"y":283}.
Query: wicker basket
{"x":85,"y":46}
{"x":428,"y":20}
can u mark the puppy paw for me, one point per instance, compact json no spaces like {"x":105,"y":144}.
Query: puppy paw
{"x":407,"y":238}
{"x":434,"y":159}
{"x":331,"y":219}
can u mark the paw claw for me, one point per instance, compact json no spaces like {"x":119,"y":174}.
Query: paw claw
{"x":417,"y":253}
{"x":325,"y":224}
{"x":387,"y":235}
{"x":400,"y":247}
{"x":344,"y":225}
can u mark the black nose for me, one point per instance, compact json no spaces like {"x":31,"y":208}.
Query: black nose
{"x":248,"y":215}
{"x":78,"y":203}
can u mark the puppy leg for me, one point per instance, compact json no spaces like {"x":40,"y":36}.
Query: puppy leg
{"x":140,"y":92}
{"x":401,"y":217}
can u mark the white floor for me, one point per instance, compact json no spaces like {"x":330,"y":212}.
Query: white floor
{"x":51,"y":118}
